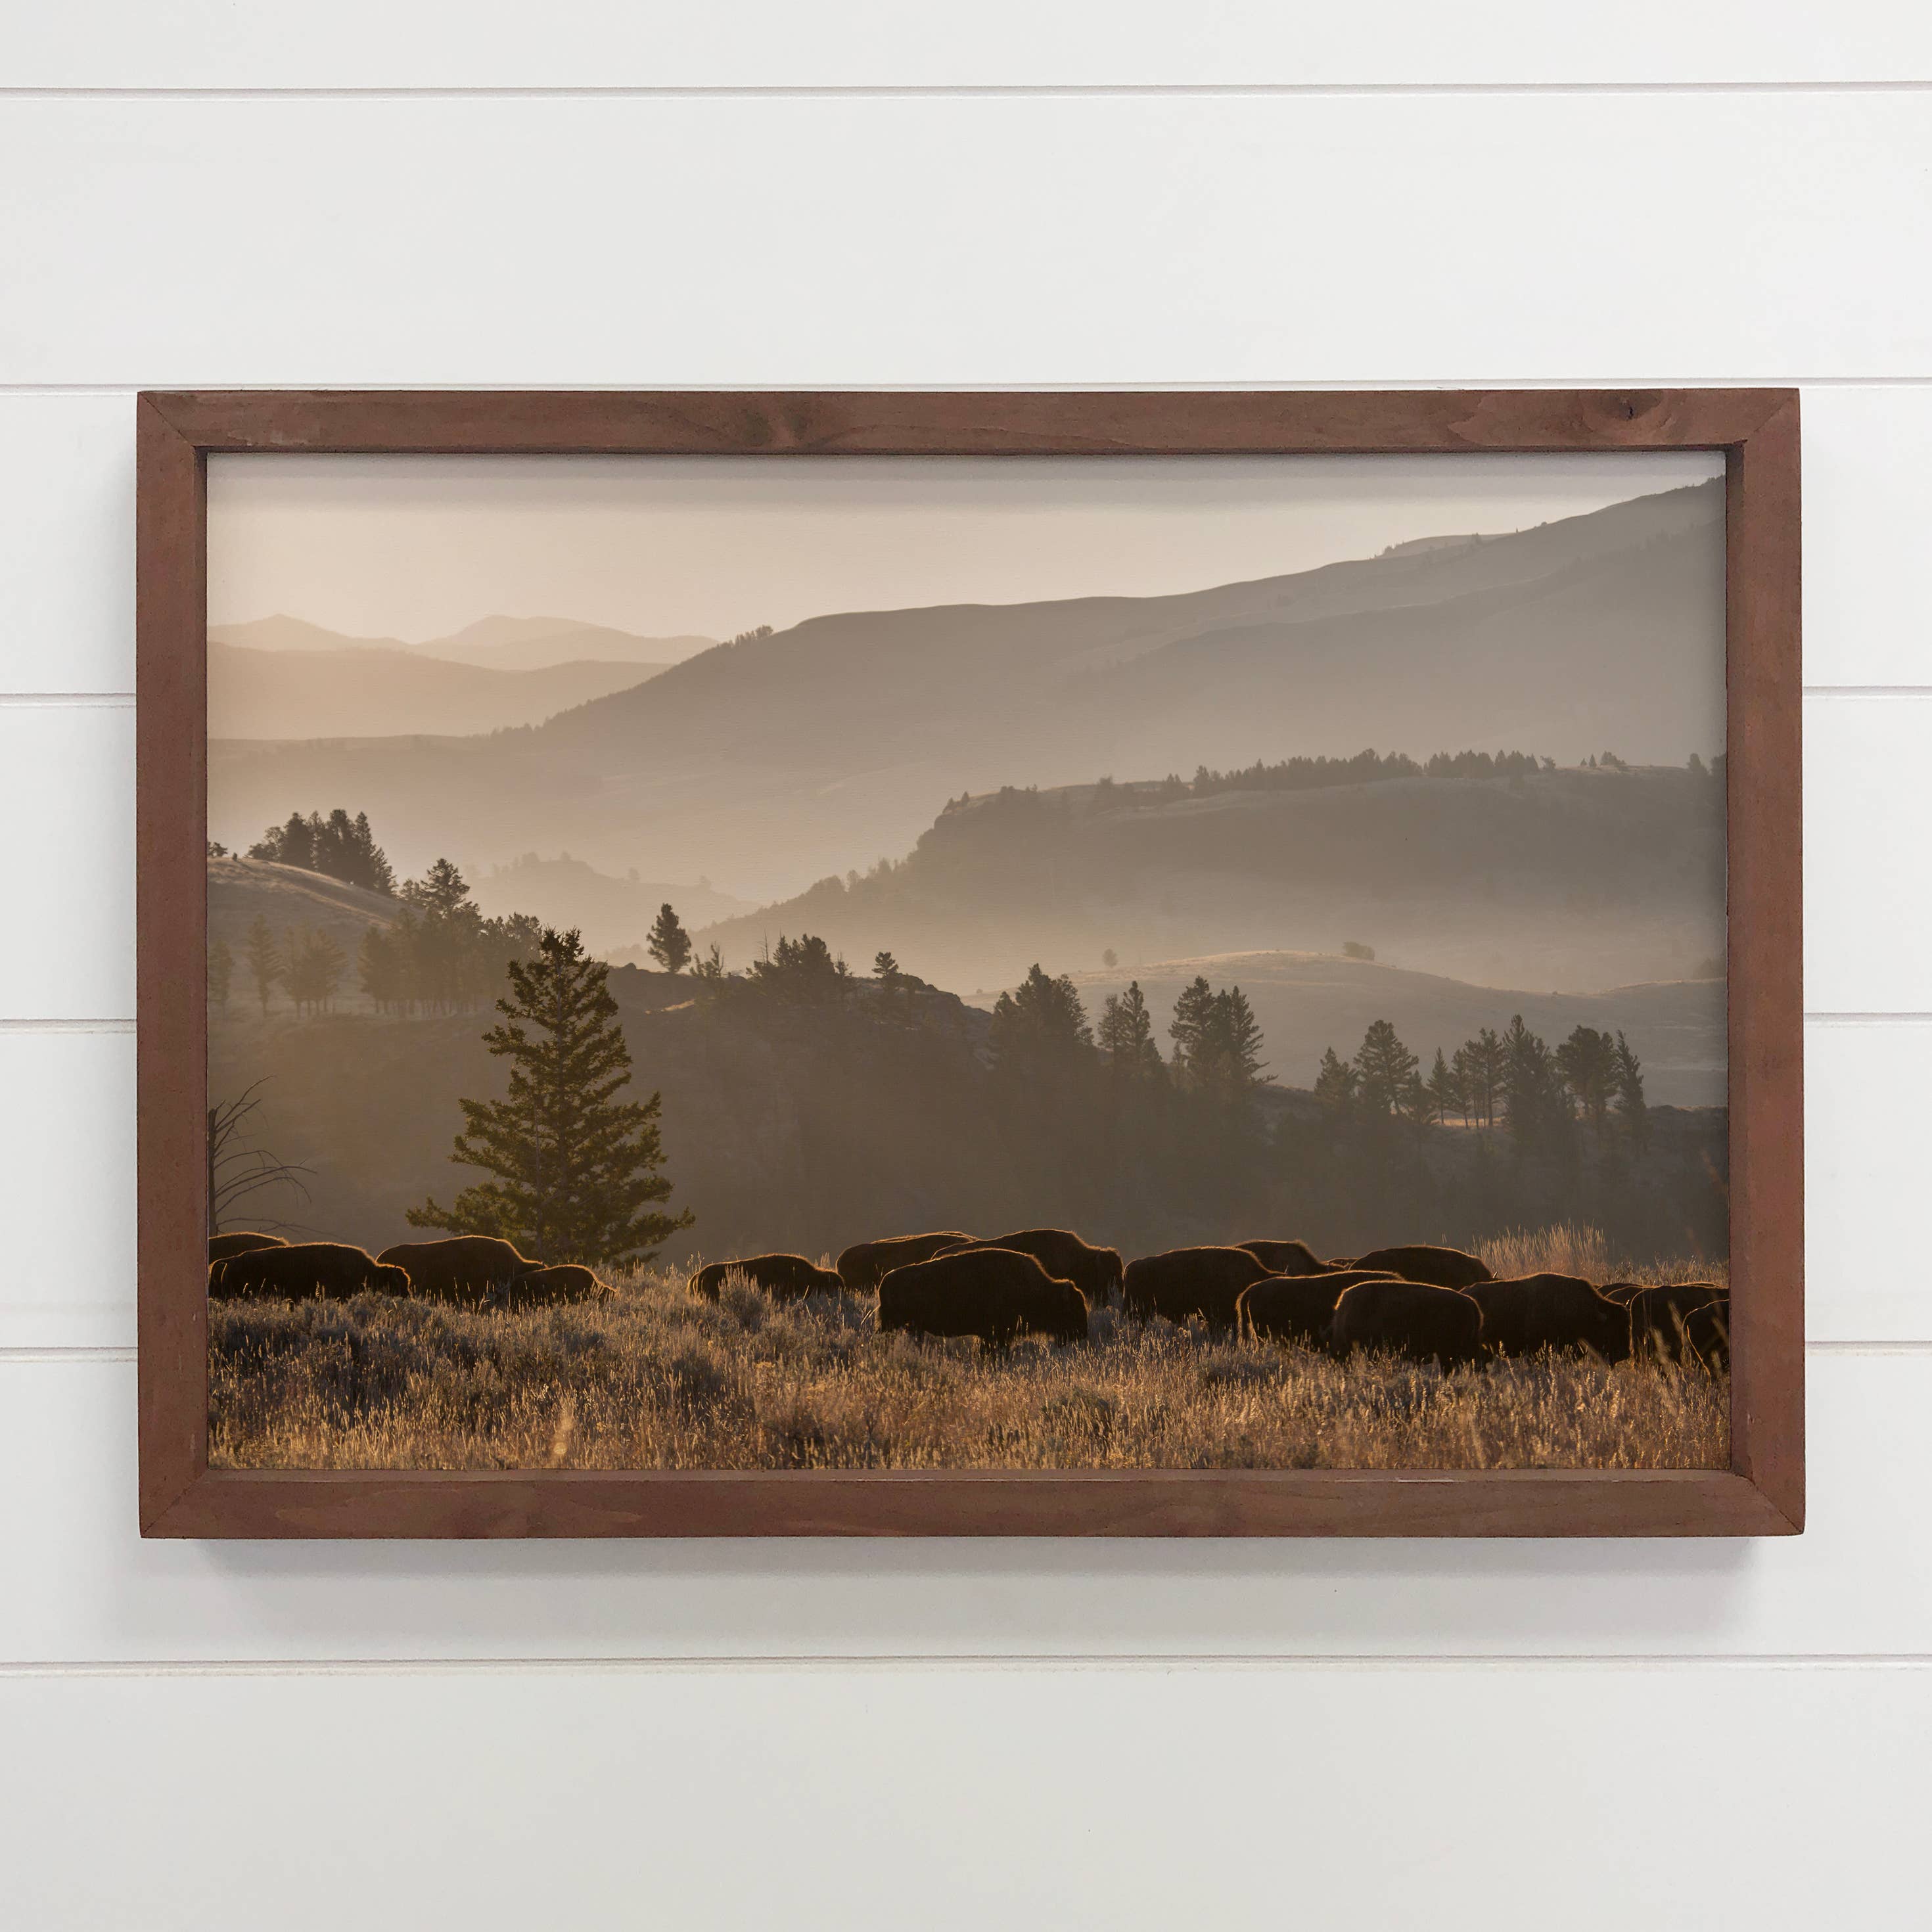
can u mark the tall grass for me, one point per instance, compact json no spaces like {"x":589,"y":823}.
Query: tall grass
{"x":1573,"y":1247}
{"x":653,"y":1379}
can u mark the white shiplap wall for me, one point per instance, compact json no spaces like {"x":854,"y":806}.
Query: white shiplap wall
{"x":1141,"y":1734}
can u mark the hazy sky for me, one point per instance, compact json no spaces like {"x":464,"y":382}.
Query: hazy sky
{"x":417,"y":547}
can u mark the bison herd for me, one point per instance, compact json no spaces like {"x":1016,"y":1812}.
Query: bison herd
{"x":1429,"y":1303}
{"x":465,"y":1267}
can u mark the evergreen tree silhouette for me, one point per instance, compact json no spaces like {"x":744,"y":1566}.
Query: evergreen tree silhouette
{"x":1190,"y":1029}
{"x":221,"y":974}
{"x":1335,"y":1084}
{"x":1632,"y":1110}
{"x":439,"y":892}
{"x":1125,"y":1033}
{"x":669,"y":944}
{"x":1588,"y":1062}
{"x":1041,"y":1021}
{"x":575,"y":1170}
{"x":1386,"y":1071}
{"x":264,"y":961}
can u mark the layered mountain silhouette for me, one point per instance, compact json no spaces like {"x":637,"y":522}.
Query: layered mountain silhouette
{"x":774,"y":760}
{"x":371,"y":690}
{"x":1577,"y":878}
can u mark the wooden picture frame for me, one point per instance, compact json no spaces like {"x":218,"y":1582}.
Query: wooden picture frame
{"x":1762,"y":1493}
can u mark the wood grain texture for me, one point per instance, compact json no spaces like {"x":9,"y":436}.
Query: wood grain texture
{"x":171,"y":781}
{"x":1766,"y":952}
{"x":1763,"y":1492}
{"x":866,"y":422}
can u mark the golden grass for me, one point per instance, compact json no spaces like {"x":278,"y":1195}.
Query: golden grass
{"x":652,"y":1379}
{"x":1574,"y":1248}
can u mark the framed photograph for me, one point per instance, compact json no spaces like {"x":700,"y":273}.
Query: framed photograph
{"x":1058,"y":964}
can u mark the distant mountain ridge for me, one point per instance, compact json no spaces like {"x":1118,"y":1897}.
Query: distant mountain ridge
{"x":771,"y":761}
{"x":373,"y":691}
{"x":495,"y":643}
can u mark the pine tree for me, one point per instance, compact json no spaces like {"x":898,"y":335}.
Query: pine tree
{"x":576,"y":1170}
{"x":802,"y":971}
{"x":669,"y":944}
{"x":439,"y":892}
{"x":1534,"y":1102}
{"x":383,"y":970}
{"x":1041,"y":1021}
{"x":1444,"y":1090}
{"x":1588,"y":1062}
{"x":1385,"y":1070}
{"x":1125,"y":1033}
{"x":1482,"y":1063}
{"x":221,"y":974}
{"x":1632,"y":1110}
{"x":264,"y":960}
{"x":1233,"y":1047}
{"x":315,"y":965}
{"x":1193,"y":1017}
{"x":1335,"y":1086}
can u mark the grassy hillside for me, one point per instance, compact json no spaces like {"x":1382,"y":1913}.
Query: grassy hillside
{"x":1575,"y":878}
{"x":656,"y":1380}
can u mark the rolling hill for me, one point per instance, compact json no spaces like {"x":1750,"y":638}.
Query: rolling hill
{"x":1576,"y":878}
{"x":773,"y":761}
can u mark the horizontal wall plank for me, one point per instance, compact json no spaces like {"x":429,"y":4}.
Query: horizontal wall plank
{"x":66,"y":878}
{"x":67,"y":584}
{"x":1043,"y":240}
{"x":1867,"y":827}
{"x":66,"y":1189}
{"x":67,"y":1186}
{"x":586,"y":43}
{"x":966,"y":1799}
{"x":66,"y":569}
{"x":1867,"y":506}
{"x":83,"y":1587}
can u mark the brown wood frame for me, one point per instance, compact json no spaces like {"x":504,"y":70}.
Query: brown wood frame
{"x":1762,"y":1493}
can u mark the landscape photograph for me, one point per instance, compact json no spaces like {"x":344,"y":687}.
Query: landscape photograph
{"x":909,"y":963}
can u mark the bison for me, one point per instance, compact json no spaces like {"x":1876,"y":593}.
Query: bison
{"x":1682,"y":1321}
{"x":1184,"y":1282}
{"x":784,"y":1277}
{"x":1286,"y":1257}
{"x":1295,"y":1308}
{"x":226,"y":1247}
{"x":862,"y":1266}
{"x":464,"y":1264}
{"x":549,"y":1287}
{"x":332,"y":1270}
{"x":1412,"y":1317}
{"x":1549,"y":1311}
{"x":1095,"y":1271}
{"x":996,"y":1294}
{"x":1440,"y":1267}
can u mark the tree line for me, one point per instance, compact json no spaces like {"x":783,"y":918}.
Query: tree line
{"x":1513,"y":1080}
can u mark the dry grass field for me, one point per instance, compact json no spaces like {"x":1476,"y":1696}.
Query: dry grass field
{"x":653,"y":1379}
